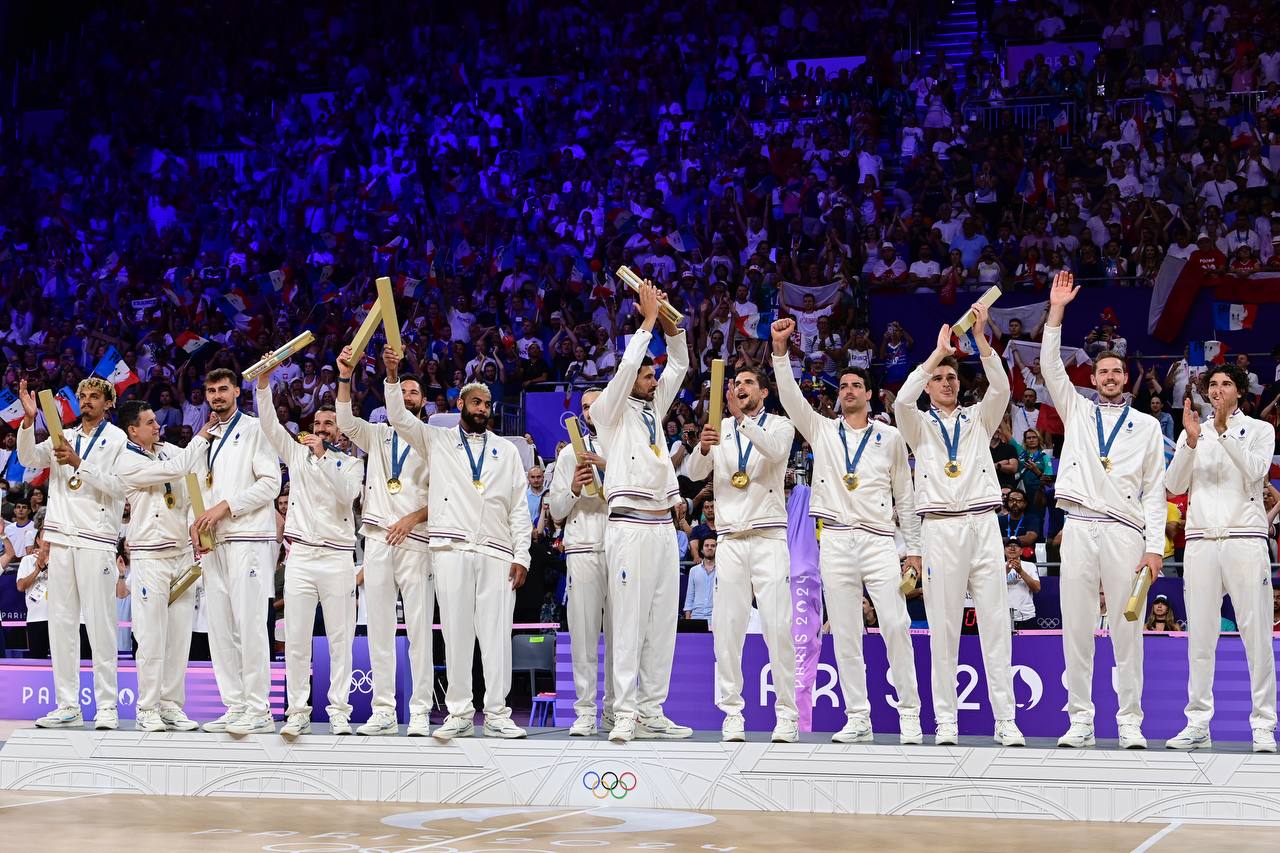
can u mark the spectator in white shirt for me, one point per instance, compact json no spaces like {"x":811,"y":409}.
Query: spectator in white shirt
{"x":924,"y":273}
{"x":1024,"y":583}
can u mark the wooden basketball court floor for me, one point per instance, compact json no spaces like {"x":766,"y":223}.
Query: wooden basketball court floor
{"x":54,"y":823}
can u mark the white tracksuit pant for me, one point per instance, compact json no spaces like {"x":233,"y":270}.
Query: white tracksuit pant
{"x":82,"y":579}
{"x":163,"y":631}
{"x":964,"y":553}
{"x":476,"y":603}
{"x":1240,"y":568}
{"x":588,"y":611}
{"x":761,"y":566}
{"x":324,"y":576}
{"x":644,"y":593}
{"x":848,"y":561}
{"x":239,"y":581}
{"x":390,"y":570}
{"x":1099,"y":551}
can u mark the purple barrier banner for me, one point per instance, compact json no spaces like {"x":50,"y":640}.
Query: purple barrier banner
{"x":26,"y":690}
{"x":1037,"y":681}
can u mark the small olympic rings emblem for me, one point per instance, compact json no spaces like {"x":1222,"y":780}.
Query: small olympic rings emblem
{"x":609,"y":784}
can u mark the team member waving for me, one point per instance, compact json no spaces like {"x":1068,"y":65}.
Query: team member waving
{"x":956,"y":494}
{"x":861,"y":477}
{"x":1111,"y":487}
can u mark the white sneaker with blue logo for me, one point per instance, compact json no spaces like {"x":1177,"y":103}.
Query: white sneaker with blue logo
{"x":1264,"y":740}
{"x":1192,"y":737}
{"x":106,"y":718}
{"x":62,"y":717}
{"x":419,"y":725}
{"x":381,"y":722}
{"x":220,"y":724}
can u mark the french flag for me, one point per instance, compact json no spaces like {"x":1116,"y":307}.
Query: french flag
{"x":1230,"y":316}
{"x":114,"y":370}
{"x":191,"y":343}
{"x":68,"y":405}
{"x":16,"y":472}
{"x":10,"y":409}
{"x":755,"y":325}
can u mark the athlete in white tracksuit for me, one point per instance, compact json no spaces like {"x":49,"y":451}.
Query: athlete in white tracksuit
{"x":479,"y":534}
{"x":640,"y":540}
{"x":583,"y":517}
{"x":1222,"y":465}
{"x":861,"y":479}
{"x":396,"y":558}
{"x":320,"y":528}
{"x":82,"y":523}
{"x":154,"y":474}
{"x":239,"y":482}
{"x":956,"y":495}
{"x":748,"y":453}
{"x":1111,"y":487}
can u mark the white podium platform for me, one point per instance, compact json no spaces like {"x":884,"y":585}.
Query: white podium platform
{"x":1227,"y":785}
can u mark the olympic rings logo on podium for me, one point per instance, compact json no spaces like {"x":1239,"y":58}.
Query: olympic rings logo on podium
{"x":361,"y":681}
{"x":609,"y":784}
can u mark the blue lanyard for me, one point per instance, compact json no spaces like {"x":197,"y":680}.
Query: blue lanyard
{"x":168,"y":487}
{"x":651,"y":423}
{"x":743,"y":458}
{"x":851,"y":465}
{"x":398,"y":458}
{"x":952,"y":442}
{"x":1104,"y":445}
{"x":476,"y":467}
{"x":92,"y":441}
{"x":1010,"y":531}
{"x":211,"y":455}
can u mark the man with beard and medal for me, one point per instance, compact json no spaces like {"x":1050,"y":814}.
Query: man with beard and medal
{"x":82,"y":525}
{"x":1111,"y":489}
{"x":240,"y":483}
{"x":861,"y":480}
{"x":577,"y":503}
{"x":320,"y":528}
{"x":752,"y":559}
{"x":154,"y":475}
{"x":639,"y":540}
{"x":479,"y":532}
{"x":956,"y":495}
{"x":396,"y":558}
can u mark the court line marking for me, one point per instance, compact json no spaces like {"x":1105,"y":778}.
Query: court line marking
{"x":1153,"y":840}
{"x":55,"y":800}
{"x":499,"y":829}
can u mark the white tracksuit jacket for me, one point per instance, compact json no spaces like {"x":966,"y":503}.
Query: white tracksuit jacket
{"x":250,"y":489}
{"x":88,"y":517}
{"x":583,"y":516}
{"x":1228,"y":472}
{"x":155,"y":530}
{"x":381,"y":509}
{"x":762,"y":505}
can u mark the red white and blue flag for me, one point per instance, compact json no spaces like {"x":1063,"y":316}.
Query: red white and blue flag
{"x":113,"y":368}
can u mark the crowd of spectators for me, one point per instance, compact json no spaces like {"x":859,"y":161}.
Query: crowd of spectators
{"x":199,"y":197}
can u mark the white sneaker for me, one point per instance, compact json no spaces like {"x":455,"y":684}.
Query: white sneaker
{"x":149,"y":721}
{"x":175,"y":720}
{"x":909,"y":729}
{"x":660,"y":728}
{"x":607,"y":721}
{"x":1131,"y":736}
{"x":786,"y":731}
{"x":624,"y":729}
{"x":62,"y":717}
{"x":583,"y":726}
{"x":946,"y":734}
{"x":220,"y":724}
{"x":856,"y":730}
{"x":1008,"y":734}
{"x":1078,"y":736}
{"x":380,"y":723}
{"x":454,"y":727}
{"x":1192,"y":737}
{"x":502,"y":727}
{"x":252,"y":724}
{"x":733,"y":729}
{"x":296,"y":724}
{"x":339,"y":724}
{"x":419,"y":725}
{"x":1264,"y":740}
{"x":106,"y":718}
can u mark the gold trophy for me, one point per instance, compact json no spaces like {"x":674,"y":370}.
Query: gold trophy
{"x":197,"y":507}
{"x":182,"y":584}
{"x":278,"y":357}
{"x":965,"y":323}
{"x":579,"y":448}
{"x":387,"y":304}
{"x":52,"y":417}
{"x":633,"y":281}
{"x":1138,"y":598}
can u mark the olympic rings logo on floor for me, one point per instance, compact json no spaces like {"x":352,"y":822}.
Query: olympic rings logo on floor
{"x":609,"y":784}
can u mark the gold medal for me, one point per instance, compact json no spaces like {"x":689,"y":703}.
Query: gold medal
{"x":479,"y":485}
{"x":208,"y":480}
{"x":394,"y":485}
{"x":657,"y":451}
{"x":169,"y":500}
{"x":74,"y":483}
{"x":851,"y":481}
{"x":739,"y":479}
{"x":1106,"y":463}
{"x":952,"y":469}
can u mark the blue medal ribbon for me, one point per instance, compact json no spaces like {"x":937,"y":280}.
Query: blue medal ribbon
{"x":952,"y":442}
{"x":476,"y":467}
{"x":168,"y":487}
{"x":93,"y":441}
{"x":851,"y":465}
{"x":210,"y":454}
{"x":398,"y":458}
{"x":651,"y":424}
{"x":1104,"y":445}
{"x":743,"y":458}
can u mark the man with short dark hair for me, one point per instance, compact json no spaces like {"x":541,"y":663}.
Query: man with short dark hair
{"x":1223,"y":466}
{"x":154,"y":475}
{"x":1111,"y":486}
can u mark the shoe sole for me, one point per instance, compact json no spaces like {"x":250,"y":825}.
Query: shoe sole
{"x":254,"y":731}
{"x":652,"y":735}
{"x":1134,"y":745}
{"x":379,"y":732}
{"x":1264,"y":749}
{"x":785,"y":739}
{"x":152,"y":729}
{"x":734,"y":738}
{"x":1084,"y":744}
{"x":584,"y":733}
{"x":620,"y":739}
{"x":1013,"y":743}
{"x":418,"y":733}
{"x":911,"y":741}
{"x":70,"y":724}
{"x":340,"y":732}
{"x":291,"y":735}
{"x":183,"y":728}
{"x":502,"y":736}
{"x":448,"y":737}
{"x":105,"y":726}
{"x":1190,"y":747}
{"x":945,"y":742}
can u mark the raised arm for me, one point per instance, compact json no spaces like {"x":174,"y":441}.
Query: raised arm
{"x":417,"y":434}
{"x":906,"y":414}
{"x":273,"y":431}
{"x":30,"y":454}
{"x":360,"y":431}
{"x":995,"y":403}
{"x":1064,"y":393}
{"x":673,"y":374}
{"x":793,"y":402}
